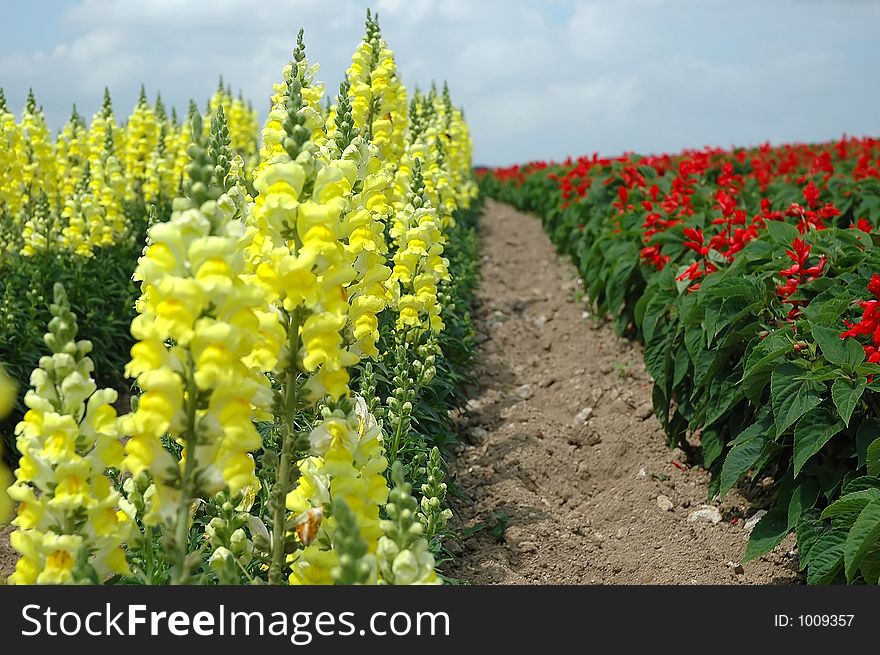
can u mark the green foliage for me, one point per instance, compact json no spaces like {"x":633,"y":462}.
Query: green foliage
{"x":771,"y":392}
{"x":102,"y":296}
{"x":355,"y":565}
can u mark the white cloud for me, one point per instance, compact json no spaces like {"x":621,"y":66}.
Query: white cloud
{"x":537,"y":79}
{"x":593,"y":31}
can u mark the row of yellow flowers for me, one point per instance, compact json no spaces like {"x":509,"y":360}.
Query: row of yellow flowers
{"x":71,"y":191}
{"x":253,"y":311}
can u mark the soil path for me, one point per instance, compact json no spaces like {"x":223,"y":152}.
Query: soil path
{"x":580,"y":487}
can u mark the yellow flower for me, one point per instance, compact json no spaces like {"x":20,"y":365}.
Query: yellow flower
{"x":67,"y":439}
{"x":197,"y":293}
{"x":142,"y":137}
{"x":418,"y":263}
{"x":347,"y":465}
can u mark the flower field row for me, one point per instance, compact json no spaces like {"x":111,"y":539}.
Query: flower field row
{"x":752,"y":277}
{"x":289,"y":313}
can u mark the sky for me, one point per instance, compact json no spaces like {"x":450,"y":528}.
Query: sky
{"x":537,"y":79}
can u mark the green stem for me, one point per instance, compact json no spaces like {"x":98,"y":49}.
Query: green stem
{"x":403,"y":417}
{"x":288,"y":436}
{"x":148,"y":554}
{"x":181,"y":529}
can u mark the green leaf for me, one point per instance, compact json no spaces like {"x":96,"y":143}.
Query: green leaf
{"x":826,"y":557}
{"x":767,"y":533}
{"x":802,"y":499}
{"x":845,"y":509}
{"x":827,"y":307}
{"x":846,"y":353}
{"x":809,"y":529}
{"x":763,"y":425}
{"x":682,"y":363}
{"x":747,"y":450}
{"x":870,"y":566}
{"x":830,"y":479}
{"x":791,"y":396}
{"x":862,"y":537}
{"x":868,"y":432}
{"x":846,"y":396}
{"x":872,"y":458}
{"x":712,"y":446}
{"x":861,"y":483}
{"x":812,"y":433}
{"x":761,"y":362}
{"x":782,"y":233}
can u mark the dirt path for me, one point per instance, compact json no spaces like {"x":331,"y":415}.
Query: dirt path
{"x":580,"y":487}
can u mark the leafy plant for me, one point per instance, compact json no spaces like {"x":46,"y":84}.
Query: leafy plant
{"x":742,"y":272}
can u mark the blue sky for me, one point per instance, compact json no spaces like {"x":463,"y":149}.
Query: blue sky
{"x":537,"y":79}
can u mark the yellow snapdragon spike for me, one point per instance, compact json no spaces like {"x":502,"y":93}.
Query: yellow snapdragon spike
{"x":320,"y":253}
{"x":419,"y":265}
{"x":299,"y":252}
{"x":378,"y":97}
{"x":177,"y":139}
{"x":197,"y":293}
{"x":110,"y":226}
{"x":103,"y":135}
{"x":80,"y":215}
{"x":40,"y":231}
{"x":142,"y":136}
{"x":243,"y":123}
{"x":39,"y":173}
{"x":311,"y":91}
{"x":67,"y":509}
{"x":71,"y":154}
{"x":348,"y":465}
{"x":13,"y":160}
{"x":366,"y":214}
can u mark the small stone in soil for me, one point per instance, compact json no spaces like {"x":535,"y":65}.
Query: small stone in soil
{"x":584,"y":437}
{"x":583,"y":416}
{"x":528,"y":546}
{"x":479,"y":434}
{"x":645,"y":411}
{"x":750,"y":523}
{"x":664,"y":503}
{"x":525,"y":391}
{"x":707,"y":513}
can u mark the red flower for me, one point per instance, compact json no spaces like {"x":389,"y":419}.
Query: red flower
{"x":726,"y":202}
{"x":811,"y":194}
{"x":869,"y":325}
{"x":695,"y":240}
{"x":797,"y":274}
